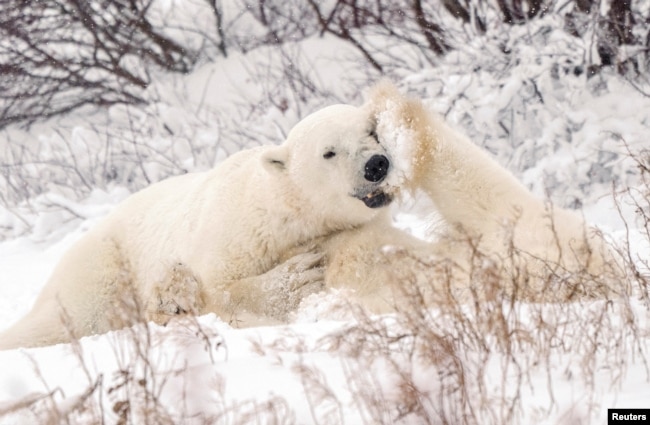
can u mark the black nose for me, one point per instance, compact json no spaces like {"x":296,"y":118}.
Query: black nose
{"x":376,"y":168}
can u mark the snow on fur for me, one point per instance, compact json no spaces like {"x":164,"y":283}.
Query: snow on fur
{"x":386,"y":106}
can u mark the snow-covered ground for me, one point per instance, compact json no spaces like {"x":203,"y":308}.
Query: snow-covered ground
{"x":565,"y":136}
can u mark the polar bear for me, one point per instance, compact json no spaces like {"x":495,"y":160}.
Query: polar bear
{"x":228,"y":241}
{"x":496,"y":235}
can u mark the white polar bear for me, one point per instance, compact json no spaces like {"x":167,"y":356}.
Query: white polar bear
{"x":497,"y":236}
{"x":220,"y":241}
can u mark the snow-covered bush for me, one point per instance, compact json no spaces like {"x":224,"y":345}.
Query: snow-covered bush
{"x":525,"y":89}
{"x":56,"y":56}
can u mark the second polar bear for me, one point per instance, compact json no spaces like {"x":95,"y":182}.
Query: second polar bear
{"x":220,"y":241}
{"x":497,"y":236}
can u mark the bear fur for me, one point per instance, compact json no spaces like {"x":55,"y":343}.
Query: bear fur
{"x":234,"y":240}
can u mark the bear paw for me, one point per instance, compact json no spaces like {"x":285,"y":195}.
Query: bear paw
{"x":288,"y":283}
{"x":177,"y":294}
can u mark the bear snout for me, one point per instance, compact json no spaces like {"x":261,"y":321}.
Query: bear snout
{"x":376,"y":168}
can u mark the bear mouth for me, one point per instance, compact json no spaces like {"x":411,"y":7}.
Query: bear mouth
{"x":376,"y":199}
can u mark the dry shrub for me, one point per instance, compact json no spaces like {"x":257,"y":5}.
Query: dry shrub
{"x":485,"y":358}
{"x":143,"y":374}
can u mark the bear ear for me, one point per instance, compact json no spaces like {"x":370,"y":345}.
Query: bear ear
{"x":275,"y":159}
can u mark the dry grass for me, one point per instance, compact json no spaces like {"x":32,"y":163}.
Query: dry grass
{"x":486,"y":359}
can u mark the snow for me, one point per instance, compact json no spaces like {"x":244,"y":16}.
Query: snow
{"x":568,"y":363}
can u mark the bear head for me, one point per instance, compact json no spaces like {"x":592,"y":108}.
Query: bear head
{"x":336,"y":160}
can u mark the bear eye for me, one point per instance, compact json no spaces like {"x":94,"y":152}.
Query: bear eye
{"x":329,"y":154}
{"x":373,"y":134}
